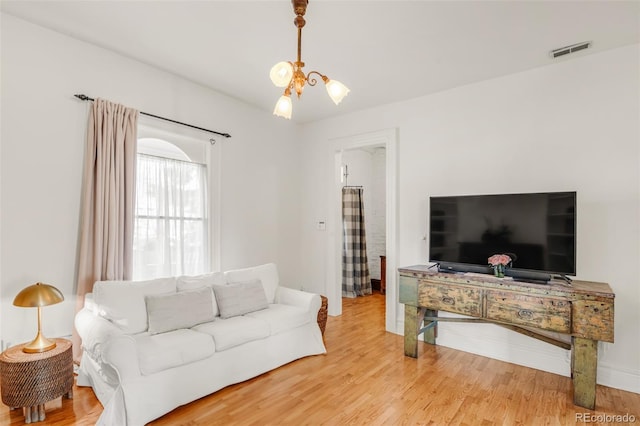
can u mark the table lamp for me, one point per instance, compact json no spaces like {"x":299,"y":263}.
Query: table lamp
{"x":36,"y":296}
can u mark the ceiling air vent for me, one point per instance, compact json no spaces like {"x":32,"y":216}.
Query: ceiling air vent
{"x":555,"y":53}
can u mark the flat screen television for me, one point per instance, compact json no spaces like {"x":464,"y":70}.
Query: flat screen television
{"x":538,"y":230}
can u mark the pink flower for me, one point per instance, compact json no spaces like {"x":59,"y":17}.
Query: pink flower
{"x":499,"y":259}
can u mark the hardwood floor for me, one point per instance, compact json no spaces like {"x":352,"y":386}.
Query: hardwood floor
{"x":365,"y":379}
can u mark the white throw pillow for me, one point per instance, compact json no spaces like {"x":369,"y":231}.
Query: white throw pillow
{"x":240,"y":298}
{"x":184,"y":309}
{"x":122,"y":302}
{"x":267,"y":274}
{"x":192,"y":282}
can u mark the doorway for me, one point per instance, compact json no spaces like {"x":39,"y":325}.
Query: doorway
{"x":363,"y":170}
{"x":364,"y":150}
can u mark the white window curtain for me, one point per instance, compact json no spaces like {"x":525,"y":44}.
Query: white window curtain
{"x":171,"y":222}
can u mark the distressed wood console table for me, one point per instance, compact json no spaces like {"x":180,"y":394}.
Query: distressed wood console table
{"x":583,"y":310}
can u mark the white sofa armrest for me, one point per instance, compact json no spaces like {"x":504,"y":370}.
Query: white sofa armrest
{"x":311,"y":302}
{"x":106,"y":343}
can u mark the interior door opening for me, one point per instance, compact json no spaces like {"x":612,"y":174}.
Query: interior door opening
{"x":375,"y":155}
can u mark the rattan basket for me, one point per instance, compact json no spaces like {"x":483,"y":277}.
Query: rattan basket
{"x":322,"y":314}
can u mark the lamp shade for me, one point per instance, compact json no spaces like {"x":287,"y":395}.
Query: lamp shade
{"x":336,"y":90}
{"x":37,"y":295}
{"x":284,"y":107}
{"x":281,"y":74}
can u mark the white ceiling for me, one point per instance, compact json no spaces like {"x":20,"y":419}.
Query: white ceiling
{"x":384,"y":51}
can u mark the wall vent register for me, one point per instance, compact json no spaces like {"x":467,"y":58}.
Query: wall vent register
{"x":562,"y":51}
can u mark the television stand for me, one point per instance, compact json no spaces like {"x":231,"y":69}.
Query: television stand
{"x":583,"y":311}
{"x":568,"y":281}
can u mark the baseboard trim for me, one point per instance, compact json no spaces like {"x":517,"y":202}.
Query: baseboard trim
{"x":535,"y":355}
{"x":618,"y":378}
{"x":521,"y":350}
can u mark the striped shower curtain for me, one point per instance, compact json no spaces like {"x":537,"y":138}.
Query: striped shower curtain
{"x":356,"y":280}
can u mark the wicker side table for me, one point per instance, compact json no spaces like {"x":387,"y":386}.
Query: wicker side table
{"x":29,"y":380}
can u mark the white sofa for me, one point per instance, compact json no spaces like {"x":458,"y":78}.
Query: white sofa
{"x":152,"y":346}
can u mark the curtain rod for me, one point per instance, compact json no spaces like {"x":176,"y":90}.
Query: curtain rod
{"x":226,"y":135}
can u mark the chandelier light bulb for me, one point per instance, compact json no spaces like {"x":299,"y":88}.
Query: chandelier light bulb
{"x":336,"y":90}
{"x":281,"y":74}
{"x":284,"y":106}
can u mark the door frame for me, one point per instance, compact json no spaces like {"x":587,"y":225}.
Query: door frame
{"x":388,"y":139}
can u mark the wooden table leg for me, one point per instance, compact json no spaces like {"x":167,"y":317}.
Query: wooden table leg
{"x":584,"y":364}
{"x":412,"y":320}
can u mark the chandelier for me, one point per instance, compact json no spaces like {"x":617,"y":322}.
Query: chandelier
{"x":290,"y":75}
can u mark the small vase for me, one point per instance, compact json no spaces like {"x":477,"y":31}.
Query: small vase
{"x":498,"y":270}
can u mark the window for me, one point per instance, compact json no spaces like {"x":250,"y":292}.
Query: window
{"x":171,"y":230}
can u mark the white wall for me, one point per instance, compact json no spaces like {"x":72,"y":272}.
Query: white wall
{"x":573,"y":125}
{"x":42,"y":145}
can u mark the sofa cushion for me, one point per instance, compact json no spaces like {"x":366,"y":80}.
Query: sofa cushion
{"x":267,"y":274}
{"x":122,"y":302}
{"x":159,"y":352}
{"x":193,"y":282}
{"x":228,"y":333}
{"x":184,"y":309}
{"x":240,"y":298}
{"x":281,"y":317}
